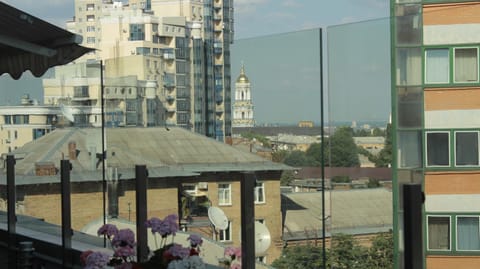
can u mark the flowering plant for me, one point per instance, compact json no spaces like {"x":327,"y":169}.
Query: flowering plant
{"x":233,"y":258}
{"x":166,"y":256}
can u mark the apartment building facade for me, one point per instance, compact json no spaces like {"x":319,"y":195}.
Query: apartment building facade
{"x":435,"y":93}
{"x":182,"y":46}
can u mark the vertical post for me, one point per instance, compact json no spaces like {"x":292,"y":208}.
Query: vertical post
{"x":322,"y":154}
{"x":247,"y":209}
{"x":412,"y":222}
{"x":11,"y":215}
{"x":141,"y":175}
{"x":65,"y":168}
{"x":104,"y":153}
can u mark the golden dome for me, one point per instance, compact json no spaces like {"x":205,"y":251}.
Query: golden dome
{"x":242,"y":78}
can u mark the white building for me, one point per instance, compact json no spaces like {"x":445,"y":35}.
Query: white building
{"x":243,"y":106}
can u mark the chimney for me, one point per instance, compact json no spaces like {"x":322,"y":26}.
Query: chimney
{"x":72,"y":150}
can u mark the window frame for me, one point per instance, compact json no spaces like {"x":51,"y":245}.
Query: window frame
{"x":449,"y":149}
{"x":455,"y":148}
{"x":453,"y":63}
{"x":262,"y":189}
{"x":225,"y":202}
{"x":450,"y":230}
{"x":426,"y":66}
{"x":456,"y":233}
{"x":226,"y":235}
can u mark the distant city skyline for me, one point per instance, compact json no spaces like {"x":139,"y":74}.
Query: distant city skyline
{"x":253,"y":18}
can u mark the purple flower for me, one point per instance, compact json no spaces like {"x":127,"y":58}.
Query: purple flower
{"x":96,"y":260}
{"x":178,"y":251}
{"x":124,"y":237}
{"x":125,"y":251}
{"x":108,"y":229}
{"x":195,"y":240}
{"x":154,"y":224}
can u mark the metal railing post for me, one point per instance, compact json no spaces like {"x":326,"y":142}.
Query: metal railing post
{"x":141,"y":175}
{"x":11,"y":215}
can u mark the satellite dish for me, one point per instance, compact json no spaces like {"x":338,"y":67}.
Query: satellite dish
{"x":218,"y":218}
{"x":262,"y":238}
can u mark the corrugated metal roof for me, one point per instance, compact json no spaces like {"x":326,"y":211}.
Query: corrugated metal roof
{"x":29,"y":43}
{"x":166,"y":153}
{"x":352,"y":211}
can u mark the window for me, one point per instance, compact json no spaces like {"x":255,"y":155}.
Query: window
{"x":8,"y":119}
{"x":468,"y":233}
{"x":226,"y":235}
{"x":259,"y":192}
{"x":438,"y":233}
{"x":90,"y":40}
{"x":90,"y":28}
{"x":90,"y":17}
{"x":437,"y":66}
{"x":466,"y":148}
{"x":466,"y":64}
{"x":224,"y":194}
{"x":90,"y":6}
{"x":438,"y":150}
{"x":137,"y":32}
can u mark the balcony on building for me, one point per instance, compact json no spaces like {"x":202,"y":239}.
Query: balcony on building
{"x":167,"y":53}
{"x":217,"y":16}
{"x":168,"y":80}
{"x":217,"y":4}
{"x":171,"y":108}
{"x":80,"y":93}
{"x":217,"y":46}
{"x":219,"y":109}
{"x":170,"y":98}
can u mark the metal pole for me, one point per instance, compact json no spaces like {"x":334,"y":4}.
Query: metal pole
{"x":141,"y":175}
{"x":65,"y":168}
{"x":104,"y":154}
{"x":247,"y":208}
{"x":412,"y":222}
{"x":11,"y":215}
{"x":322,"y":154}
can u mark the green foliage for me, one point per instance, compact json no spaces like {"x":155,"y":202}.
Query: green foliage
{"x":298,"y":158}
{"x":279,"y":156}
{"x":258,"y":137}
{"x":300,"y":257}
{"x":341,"y":179}
{"x":345,"y":253}
{"x":314,"y":152}
{"x":378,"y":132}
{"x":373,"y":183}
{"x":287,"y":177}
{"x":380,"y":255}
{"x":384,"y":157}
{"x":343,"y":150}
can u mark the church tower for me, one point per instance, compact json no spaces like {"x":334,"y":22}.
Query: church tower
{"x":243,"y":106}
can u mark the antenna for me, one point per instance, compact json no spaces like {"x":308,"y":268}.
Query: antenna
{"x":262,"y":238}
{"x":217,"y":218}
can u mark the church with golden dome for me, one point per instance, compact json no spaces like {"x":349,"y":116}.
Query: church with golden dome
{"x":243,"y":105}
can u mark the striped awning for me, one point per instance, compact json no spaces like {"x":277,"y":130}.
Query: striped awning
{"x":29,"y":43}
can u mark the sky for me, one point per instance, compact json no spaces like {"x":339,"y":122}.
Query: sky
{"x":255,"y":20}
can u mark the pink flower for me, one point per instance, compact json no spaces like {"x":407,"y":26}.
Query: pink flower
{"x":108,"y":229}
{"x":238,"y":253}
{"x":84,"y":255}
{"x":125,"y":251}
{"x":235,"y":266}
{"x":231,"y":252}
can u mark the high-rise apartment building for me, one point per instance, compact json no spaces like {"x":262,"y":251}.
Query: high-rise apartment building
{"x":435,"y":93}
{"x":243,"y":105}
{"x":183,"y":47}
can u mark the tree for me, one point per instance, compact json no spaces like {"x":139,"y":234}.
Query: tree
{"x":258,"y":137}
{"x":384,"y":157}
{"x":300,"y":257}
{"x":314,"y":153}
{"x":279,"y":156}
{"x":343,"y":150}
{"x":298,"y":158}
{"x":346,"y":253}
{"x":380,"y":254}
{"x":287,"y":177}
